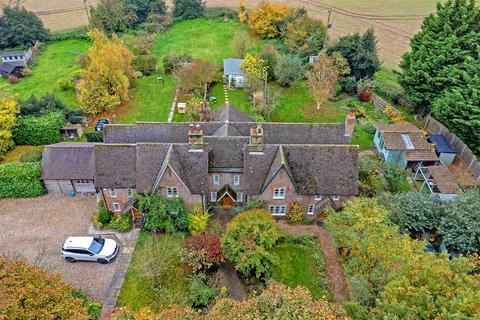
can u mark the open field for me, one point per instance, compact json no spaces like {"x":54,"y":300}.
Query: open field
{"x":394,"y":21}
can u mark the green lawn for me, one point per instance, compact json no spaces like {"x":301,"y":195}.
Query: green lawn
{"x":151,"y":101}
{"x":155,"y":276}
{"x":15,"y":154}
{"x":387,"y":76}
{"x":301,"y":265}
{"x":56,"y":61}
{"x":203,"y":39}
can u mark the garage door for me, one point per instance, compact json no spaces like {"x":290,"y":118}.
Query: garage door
{"x":84,"y":186}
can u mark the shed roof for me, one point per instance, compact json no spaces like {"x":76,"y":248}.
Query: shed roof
{"x":441,"y":144}
{"x":443,"y":179}
{"x":13,"y":53}
{"x":232,"y":66}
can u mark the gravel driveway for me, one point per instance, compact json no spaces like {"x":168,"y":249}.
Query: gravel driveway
{"x":36,"y":229}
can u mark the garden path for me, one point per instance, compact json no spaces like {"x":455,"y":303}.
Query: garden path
{"x":237,"y":288}
{"x":332,"y":258}
{"x":172,"y":108}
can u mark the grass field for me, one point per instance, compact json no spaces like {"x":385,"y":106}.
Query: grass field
{"x":55,"y":62}
{"x":155,"y":277}
{"x":394,"y":21}
{"x":300,"y":265}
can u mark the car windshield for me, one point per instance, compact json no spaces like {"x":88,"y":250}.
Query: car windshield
{"x":97,"y":245}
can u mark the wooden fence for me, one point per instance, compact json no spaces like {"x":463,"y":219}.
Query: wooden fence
{"x":435,"y":127}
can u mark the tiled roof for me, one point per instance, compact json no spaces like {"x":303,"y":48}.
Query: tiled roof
{"x":304,"y":133}
{"x":400,"y":128}
{"x":150,"y":157}
{"x":324,"y":169}
{"x":68,"y":160}
{"x":421,"y":155}
{"x":394,"y":141}
{"x":225,"y":152}
{"x":444,"y":179}
{"x":229,"y":113}
{"x":257,"y":166}
{"x":115,"y":165}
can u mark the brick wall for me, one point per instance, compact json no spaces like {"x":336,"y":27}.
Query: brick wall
{"x":226,"y":178}
{"x":170,"y":179}
{"x":121,"y":199}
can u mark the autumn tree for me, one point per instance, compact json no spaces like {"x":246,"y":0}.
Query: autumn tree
{"x":196,"y":76}
{"x":256,"y":70}
{"x":303,"y":35}
{"x":30,"y":293}
{"x":9,"y":110}
{"x":242,"y":44}
{"x":324,"y":75}
{"x":104,"y":83}
{"x":265,"y":19}
{"x":242,"y":12}
{"x":109,"y":16}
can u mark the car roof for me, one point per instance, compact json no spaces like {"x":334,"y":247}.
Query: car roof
{"x":78,"y":242}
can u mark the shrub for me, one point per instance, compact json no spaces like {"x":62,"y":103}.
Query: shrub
{"x":96,"y":136}
{"x":295,"y":213}
{"x":251,"y":204}
{"x":74,"y":119}
{"x":40,"y":106}
{"x":201,"y":295}
{"x":390,"y":92}
{"x":162,"y":214}
{"x":210,"y":243}
{"x":12,"y":79}
{"x":75,"y":76}
{"x":138,"y":74}
{"x":173,"y":61}
{"x":247,"y":241}
{"x":288,"y":69}
{"x":20,"y":180}
{"x":64,"y":84}
{"x":26,"y":72}
{"x":395,"y":175}
{"x":31,"y":156}
{"x":33,"y":130}
{"x":104,"y":216}
{"x":123,"y":224}
{"x":195,"y":260}
{"x":197,"y":221}
{"x":220,"y":12}
{"x":80,"y":34}
{"x":349,"y":85}
{"x":144,"y":63}
{"x":187,"y":9}
{"x":82,"y":60}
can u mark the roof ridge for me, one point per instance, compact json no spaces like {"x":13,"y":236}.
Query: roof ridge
{"x":162,"y":168}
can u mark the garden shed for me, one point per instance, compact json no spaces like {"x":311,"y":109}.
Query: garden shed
{"x":71,"y":131}
{"x":439,"y":180}
{"x":233,"y":74}
{"x":444,"y":150}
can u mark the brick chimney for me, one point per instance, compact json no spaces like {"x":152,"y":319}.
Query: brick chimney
{"x":195,"y":137}
{"x":349,"y":123}
{"x":256,"y":138}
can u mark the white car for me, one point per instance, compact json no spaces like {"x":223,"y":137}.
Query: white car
{"x":97,"y":249}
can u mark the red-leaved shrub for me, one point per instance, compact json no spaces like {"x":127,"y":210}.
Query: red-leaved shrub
{"x":208,"y":242}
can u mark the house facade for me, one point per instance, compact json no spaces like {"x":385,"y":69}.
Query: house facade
{"x":226,"y":161}
{"x":404,"y":144}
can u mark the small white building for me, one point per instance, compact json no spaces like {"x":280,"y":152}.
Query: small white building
{"x":233,"y":74}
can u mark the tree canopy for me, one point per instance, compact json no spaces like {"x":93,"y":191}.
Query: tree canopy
{"x":19,"y":27}
{"x":360,"y":52}
{"x":8,"y":119}
{"x":187,"y":9}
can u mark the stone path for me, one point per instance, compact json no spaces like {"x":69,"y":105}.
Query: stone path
{"x":332,"y":258}
{"x":172,"y":107}
{"x":225,"y":92}
{"x":119,"y":275}
{"x":229,"y":278}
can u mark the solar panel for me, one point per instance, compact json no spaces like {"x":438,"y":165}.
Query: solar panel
{"x":407,"y":141}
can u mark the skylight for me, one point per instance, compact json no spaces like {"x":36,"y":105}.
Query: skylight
{"x":407,"y":141}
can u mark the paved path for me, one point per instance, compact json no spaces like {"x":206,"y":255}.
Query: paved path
{"x":119,"y":275}
{"x":237,"y":288}
{"x":332,"y":258}
{"x":225,"y":92}
{"x":172,"y":107}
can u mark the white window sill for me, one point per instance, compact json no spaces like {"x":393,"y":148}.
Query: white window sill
{"x":278,"y":198}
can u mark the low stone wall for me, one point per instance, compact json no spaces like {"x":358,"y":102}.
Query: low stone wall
{"x":435,"y":127}
{"x":379,"y":102}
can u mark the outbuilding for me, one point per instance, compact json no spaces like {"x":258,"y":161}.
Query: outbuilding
{"x":444,"y":150}
{"x":233,"y":74}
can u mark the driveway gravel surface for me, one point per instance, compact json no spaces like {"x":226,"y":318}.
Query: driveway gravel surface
{"x":36,"y":228}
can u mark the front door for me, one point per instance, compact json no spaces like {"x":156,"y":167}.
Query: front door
{"x":227,"y":202}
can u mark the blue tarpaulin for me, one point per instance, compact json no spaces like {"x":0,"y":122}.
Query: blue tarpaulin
{"x":441,"y":144}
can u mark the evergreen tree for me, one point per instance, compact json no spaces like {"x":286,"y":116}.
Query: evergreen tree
{"x":439,"y":51}
{"x":143,"y":8}
{"x":20,"y":27}
{"x":187,"y":9}
{"x":360,"y":52}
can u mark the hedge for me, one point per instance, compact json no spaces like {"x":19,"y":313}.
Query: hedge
{"x":20,"y":180}
{"x":32,"y":130}
{"x":96,"y":136}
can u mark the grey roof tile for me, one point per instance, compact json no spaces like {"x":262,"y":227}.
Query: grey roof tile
{"x":115,"y":165}
{"x":68,"y":160}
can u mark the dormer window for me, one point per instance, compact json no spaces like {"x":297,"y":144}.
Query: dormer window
{"x":279,"y":193}
{"x":318,"y":197}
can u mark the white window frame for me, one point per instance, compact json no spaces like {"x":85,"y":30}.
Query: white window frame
{"x":335,"y":198}
{"x":213,"y":196}
{"x":278,"y":210}
{"x":129,"y":192}
{"x":116,"y":207}
{"x":279,"y":193}
{"x":112,"y":192}
{"x":216,"y":180}
{"x":318,"y":197}
{"x":172,"y":192}
{"x":311,"y":209}
{"x":239,"y":197}
{"x":236,"y":180}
